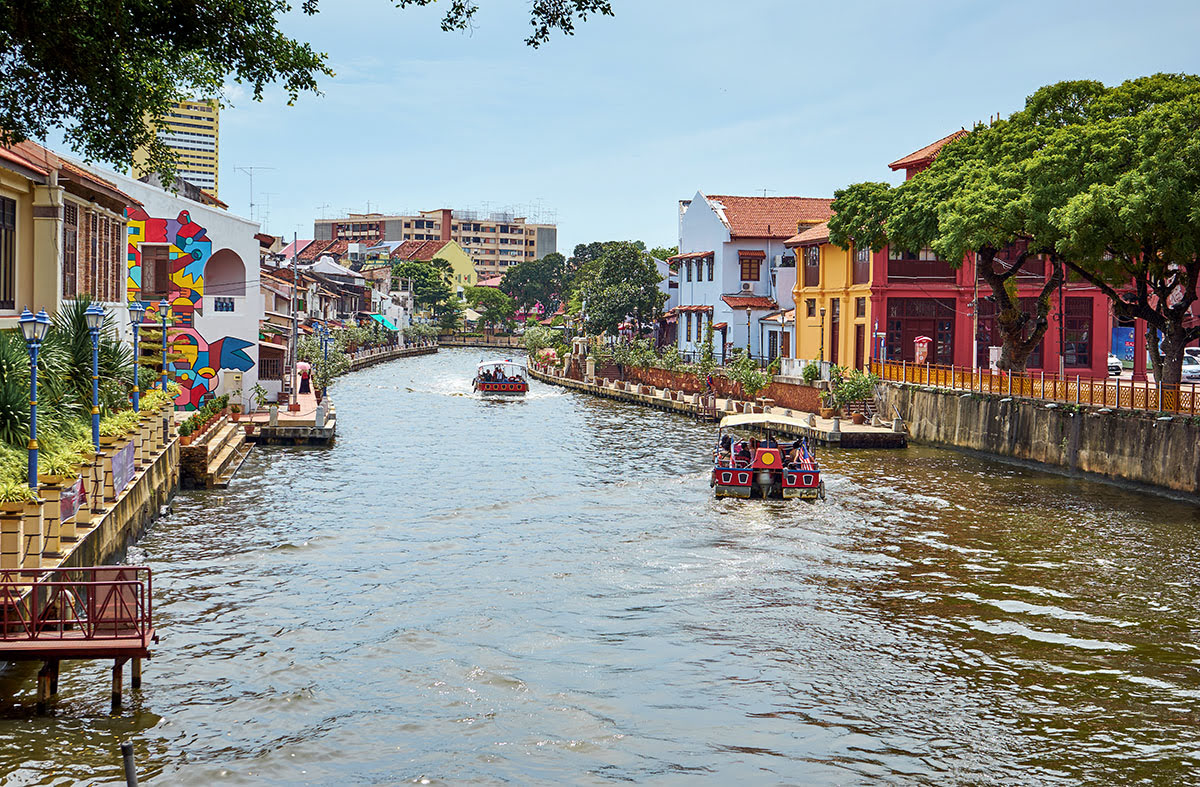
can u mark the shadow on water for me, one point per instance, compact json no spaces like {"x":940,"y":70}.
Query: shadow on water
{"x":544,"y":590}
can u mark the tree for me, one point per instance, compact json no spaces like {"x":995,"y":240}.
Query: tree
{"x":536,"y":282}
{"x":663,"y":252}
{"x":620,"y":284}
{"x":495,"y":307}
{"x":107,"y":73}
{"x":430,"y":285}
{"x":1130,"y":219}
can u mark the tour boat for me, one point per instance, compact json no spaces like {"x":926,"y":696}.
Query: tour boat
{"x":501,"y":378}
{"x":761,"y":468}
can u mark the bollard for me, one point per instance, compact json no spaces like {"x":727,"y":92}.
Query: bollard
{"x":127,"y":759}
{"x":897,"y":425}
{"x":837,"y":425}
{"x":274,"y":417}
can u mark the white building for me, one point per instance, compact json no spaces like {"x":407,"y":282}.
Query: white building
{"x":734,"y":269}
{"x":205,"y":262}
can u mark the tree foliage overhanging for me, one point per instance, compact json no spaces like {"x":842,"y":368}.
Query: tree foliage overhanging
{"x":621,"y":282}
{"x":106,"y":73}
{"x":1102,"y":181}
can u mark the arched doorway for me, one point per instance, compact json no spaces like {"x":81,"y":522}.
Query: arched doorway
{"x":225,"y":274}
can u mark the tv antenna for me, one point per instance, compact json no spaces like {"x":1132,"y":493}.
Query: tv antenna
{"x":250,"y":171}
{"x":323,"y":208}
{"x":764,"y":191}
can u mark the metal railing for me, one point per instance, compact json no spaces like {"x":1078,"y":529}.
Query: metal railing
{"x":1046,"y":386}
{"x":90,"y":603}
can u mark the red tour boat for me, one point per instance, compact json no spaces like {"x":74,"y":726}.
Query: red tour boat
{"x":501,"y":378}
{"x":765,"y":468}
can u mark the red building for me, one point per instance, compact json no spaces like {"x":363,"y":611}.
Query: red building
{"x":919,"y":295}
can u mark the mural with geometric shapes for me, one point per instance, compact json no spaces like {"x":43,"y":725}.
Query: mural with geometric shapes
{"x":188,"y":247}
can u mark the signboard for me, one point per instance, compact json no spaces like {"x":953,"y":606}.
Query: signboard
{"x":1122,"y":342}
{"x":71,"y":499}
{"x":122,"y":465}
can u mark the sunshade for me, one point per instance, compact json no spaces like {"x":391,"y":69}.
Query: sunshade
{"x":384,"y":321}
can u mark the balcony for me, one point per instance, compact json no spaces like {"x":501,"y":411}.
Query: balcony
{"x":923,"y":270}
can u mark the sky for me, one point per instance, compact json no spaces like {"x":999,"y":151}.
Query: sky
{"x":606,"y":130}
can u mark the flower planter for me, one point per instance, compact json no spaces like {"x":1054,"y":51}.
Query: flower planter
{"x":827,"y":412}
{"x":858,"y":418}
{"x":249,"y":428}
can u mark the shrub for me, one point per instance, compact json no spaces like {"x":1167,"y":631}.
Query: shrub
{"x":744,"y":371}
{"x":811,"y":373}
{"x":855,"y":387}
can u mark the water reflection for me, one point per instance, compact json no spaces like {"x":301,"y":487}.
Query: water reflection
{"x":544,"y":590}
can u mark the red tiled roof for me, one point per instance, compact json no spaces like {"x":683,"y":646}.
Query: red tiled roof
{"x":420,"y":250}
{"x":752,"y":254}
{"x":720,"y":326}
{"x":42,"y":160}
{"x":212,"y":199}
{"x":810,"y":236}
{"x":695,"y":307}
{"x":319,"y":248}
{"x":749,"y":302}
{"x":493,"y":282}
{"x":768,"y":217}
{"x":927,"y":153}
{"x":691,"y":255}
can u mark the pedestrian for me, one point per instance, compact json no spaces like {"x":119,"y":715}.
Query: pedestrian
{"x":305,"y":370}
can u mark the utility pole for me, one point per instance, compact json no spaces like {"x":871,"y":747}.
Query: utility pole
{"x":975,"y":314}
{"x":250,"y":171}
{"x":293,"y":401}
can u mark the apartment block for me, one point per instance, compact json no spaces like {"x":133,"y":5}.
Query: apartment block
{"x":493,"y":241}
{"x":193,"y":132}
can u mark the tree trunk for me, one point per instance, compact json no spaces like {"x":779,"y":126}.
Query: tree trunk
{"x":1016,"y":345}
{"x":1171,"y":362}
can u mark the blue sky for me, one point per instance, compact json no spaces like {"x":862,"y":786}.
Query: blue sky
{"x":611,"y":127}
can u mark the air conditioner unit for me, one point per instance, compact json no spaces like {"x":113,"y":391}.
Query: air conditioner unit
{"x":747,"y":286}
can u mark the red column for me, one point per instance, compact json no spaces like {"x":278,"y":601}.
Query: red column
{"x":1139,"y":350}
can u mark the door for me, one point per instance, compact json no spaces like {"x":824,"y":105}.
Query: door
{"x":859,"y":344}
{"x":835,"y":325}
{"x":772,"y":345}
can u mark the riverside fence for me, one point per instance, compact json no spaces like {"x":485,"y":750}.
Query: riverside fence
{"x":1046,"y":386}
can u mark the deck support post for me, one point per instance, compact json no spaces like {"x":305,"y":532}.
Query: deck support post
{"x":116,"y":683}
{"x":54,"y":677}
{"x":135,"y":673}
{"x":43,"y":687}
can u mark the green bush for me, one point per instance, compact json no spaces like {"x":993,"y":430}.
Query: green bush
{"x":811,"y":373}
{"x":855,"y":386}
{"x":743,"y":370}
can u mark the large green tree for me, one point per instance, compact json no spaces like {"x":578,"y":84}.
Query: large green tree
{"x":430,"y":285}
{"x":537,"y":281}
{"x":106,"y":71}
{"x":495,"y":308}
{"x":619,"y":284}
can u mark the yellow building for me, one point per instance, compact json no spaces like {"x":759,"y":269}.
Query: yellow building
{"x":192,"y":131}
{"x":833,"y":300}
{"x":462,"y":270}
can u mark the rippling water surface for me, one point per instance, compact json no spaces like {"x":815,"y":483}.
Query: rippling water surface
{"x":545,"y":591}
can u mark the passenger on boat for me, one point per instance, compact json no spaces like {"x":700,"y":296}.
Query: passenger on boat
{"x":725,"y":450}
{"x":770,"y":442}
{"x":742,"y":454}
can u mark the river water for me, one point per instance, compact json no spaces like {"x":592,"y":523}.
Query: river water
{"x":545,"y":591}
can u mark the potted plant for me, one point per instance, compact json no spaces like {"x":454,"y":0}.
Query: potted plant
{"x":14,"y":495}
{"x":235,"y":411}
{"x":258,"y":395}
{"x":827,"y":405}
{"x":185,"y":432}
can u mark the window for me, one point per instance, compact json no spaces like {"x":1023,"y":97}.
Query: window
{"x":156,"y":273}
{"x":223,"y":304}
{"x":8,"y":252}
{"x":687,"y":317}
{"x":270,"y":368}
{"x":812,"y":266}
{"x":1077,"y":332}
{"x":688,"y":265}
{"x":70,"y":257}
{"x":860,"y":307}
{"x":750,"y":269}
{"x":862,"y":265}
{"x":810,"y":307}
{"x":710,"y":268}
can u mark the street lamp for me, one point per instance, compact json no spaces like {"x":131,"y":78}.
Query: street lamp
{"x":34,"y":330}
{"x":822,"y":335}
{"x":95,"y":318}
{"x":164,"y":313}
{"x":137,"y":310}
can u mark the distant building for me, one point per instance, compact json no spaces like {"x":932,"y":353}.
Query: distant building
{"x":192,"y":131}
{"x":462,"y":273}
{"x":494,"y":243}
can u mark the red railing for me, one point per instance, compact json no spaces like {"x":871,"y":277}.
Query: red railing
{"x":92,"y":603}
{"x":1046,"y":386}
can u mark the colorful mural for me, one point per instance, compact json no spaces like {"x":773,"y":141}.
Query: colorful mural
{"x":188,"y":250}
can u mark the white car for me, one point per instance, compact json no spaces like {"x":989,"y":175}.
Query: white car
{"x":1191,"y":369}
{"x":1192,"y":351}
{"x":1115,"y":367}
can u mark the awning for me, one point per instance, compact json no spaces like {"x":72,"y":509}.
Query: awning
{"x":471,"y":314}
{"x":384,"y":321}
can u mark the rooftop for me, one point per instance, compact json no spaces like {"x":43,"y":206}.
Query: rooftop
{"x":811,"y":236}
{"x":927,"y":153}
{"x":768,"y":217}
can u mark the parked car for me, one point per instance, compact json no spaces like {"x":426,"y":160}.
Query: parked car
{"x":1192,"y":351}
{"x":1191,"y":369}
{"x":1115,"y":367}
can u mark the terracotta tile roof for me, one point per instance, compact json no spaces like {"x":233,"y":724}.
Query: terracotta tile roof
{"x":695,"y":307}
{"x":927,"y":153}
{"x":42,"y":160}
{"x":493,"y":282}
{"x":817,"y":234}
{"x":691,"y":255}
{"x":768,"y":217}
{"x":211,"y":199}
{"x":782,"y":317}
{"x":720,"y":326}
{"x":749,"y":302}
{"x":320,"y":248}
{"x":420,"y":250}
{"x":300,"y":245}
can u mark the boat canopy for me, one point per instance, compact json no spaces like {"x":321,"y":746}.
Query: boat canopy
{"x":762,"y":421}
{"x":505,"y":362}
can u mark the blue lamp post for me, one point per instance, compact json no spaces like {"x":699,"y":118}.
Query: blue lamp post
{"x":137,"y":310}
{"x":325,"y":343}
{"x":33,"y":329}
{"x":95,"y":319}
{"x":164,"y":312}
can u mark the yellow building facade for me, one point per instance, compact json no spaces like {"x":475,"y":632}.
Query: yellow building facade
{"x":193,"y":133}
{"x":833,"y":300}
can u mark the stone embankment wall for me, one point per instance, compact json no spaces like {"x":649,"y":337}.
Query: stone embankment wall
{"x":362,"y":360}
{"x":1119,"y":444}
{"x":795,"y":396}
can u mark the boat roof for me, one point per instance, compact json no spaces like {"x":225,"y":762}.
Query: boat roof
{"x":501,"y":362}
{"x":762,"y":420}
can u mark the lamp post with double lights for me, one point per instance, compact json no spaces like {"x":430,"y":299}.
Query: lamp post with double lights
{"x":34,"y":330}
{"x":137,"y":310}
{"x":95,"y":319}
{"x":822,"y":336}
{"x":164,"y":313}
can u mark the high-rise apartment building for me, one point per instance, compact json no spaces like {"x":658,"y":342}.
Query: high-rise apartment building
{"x":494,"y":242}
{"x":192,"y":132}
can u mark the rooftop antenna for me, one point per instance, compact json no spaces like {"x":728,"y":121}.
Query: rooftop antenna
{"x":250,"y":171}
{"x":764,"y":191}
{"x":265,"y":216}
{"x":323,"y":208}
